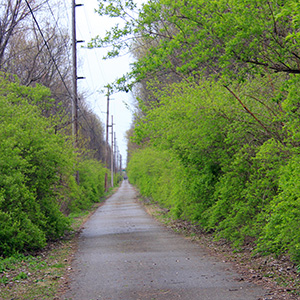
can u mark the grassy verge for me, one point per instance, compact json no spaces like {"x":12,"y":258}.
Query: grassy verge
{"x":43,"y":275}
{"x":34,"y":277}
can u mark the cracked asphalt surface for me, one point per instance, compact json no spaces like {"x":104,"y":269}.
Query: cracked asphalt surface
{"x":123,"y":253}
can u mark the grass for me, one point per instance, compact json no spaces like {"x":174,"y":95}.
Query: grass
{"x":34,"y":276}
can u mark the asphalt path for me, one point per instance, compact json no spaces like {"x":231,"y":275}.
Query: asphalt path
{"x":123,"y":253}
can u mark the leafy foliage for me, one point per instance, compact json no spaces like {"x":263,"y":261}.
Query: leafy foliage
{"x":32,"y":157}
{"x":211,"y":162}
{"x":150,"y":170}
{"x":281,"y":234}
{"x":225,"y":39}
{"x":91,"y":187}
{"x":37,"y":167}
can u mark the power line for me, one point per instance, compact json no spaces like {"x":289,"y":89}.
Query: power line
{"x":56,"y":24}
{"x":67,"y":9}
{"x":54,"y":62}
{"x":48,"y":48}
{"x":94,"y":50}
{"x":92,"y":86}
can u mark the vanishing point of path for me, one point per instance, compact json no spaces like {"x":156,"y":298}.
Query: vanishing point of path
{"x":124,"y":254}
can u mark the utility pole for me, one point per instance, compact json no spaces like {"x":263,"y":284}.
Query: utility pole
{"x":115,"y":153}
{"x":117,"y":161}
{"x":74,"y":78}
{"x":74,"y":81}
{"x":106,"y":142}
{"x":112,"y":152}
{"x":120,"y":164}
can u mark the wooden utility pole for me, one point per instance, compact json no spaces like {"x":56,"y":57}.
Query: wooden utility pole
{"x":120,"y":164}
{"x":107,"y":121}
{"x":117,"y":160}
{"x":74,"y":81}
{"x":115,"y":153}
{"x":74,"y":78}
{"x":112,"y":152}
{"x":106,"y":142}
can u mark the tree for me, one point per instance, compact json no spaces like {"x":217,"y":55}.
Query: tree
{"x":192,"y":38}
{"x":221,"y":147}
{"x":31,"y":61}
{"x":12,"y":16}
{"x":92,"y":133}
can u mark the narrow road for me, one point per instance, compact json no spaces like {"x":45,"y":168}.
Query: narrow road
{"x":123,"y":253}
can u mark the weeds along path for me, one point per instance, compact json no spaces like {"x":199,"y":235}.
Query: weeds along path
{"x":123,"y":253}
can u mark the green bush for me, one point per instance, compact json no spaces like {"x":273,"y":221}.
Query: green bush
{"x":244,"y":191}
{"x":232,"y":170}
{"x":37,"y":166}
{"x":160,"y":176}
{"x":281,"y":231}
{"x":33,"y":160}
{"x":91,"y":187}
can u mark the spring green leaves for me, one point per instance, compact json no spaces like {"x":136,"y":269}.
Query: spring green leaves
{"x":208,"y":160}
{"x":32,"y":159}
{"x":224,"y":39}
{"x":37,"y":187}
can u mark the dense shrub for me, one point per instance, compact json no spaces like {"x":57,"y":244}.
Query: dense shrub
{"x":159,"y":176}
{"x":281,"y":231}
{"x":91,"y":188}
{"x":37,"y":167}
{"x":32,"y":158}
{"x":231,"y":168}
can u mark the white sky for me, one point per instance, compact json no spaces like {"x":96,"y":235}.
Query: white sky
{"x":98,"y":73}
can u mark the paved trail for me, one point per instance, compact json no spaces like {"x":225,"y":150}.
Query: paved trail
{"x":125,"y":254}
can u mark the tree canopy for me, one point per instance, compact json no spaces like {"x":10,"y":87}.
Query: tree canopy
{"x":214,"y":38}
